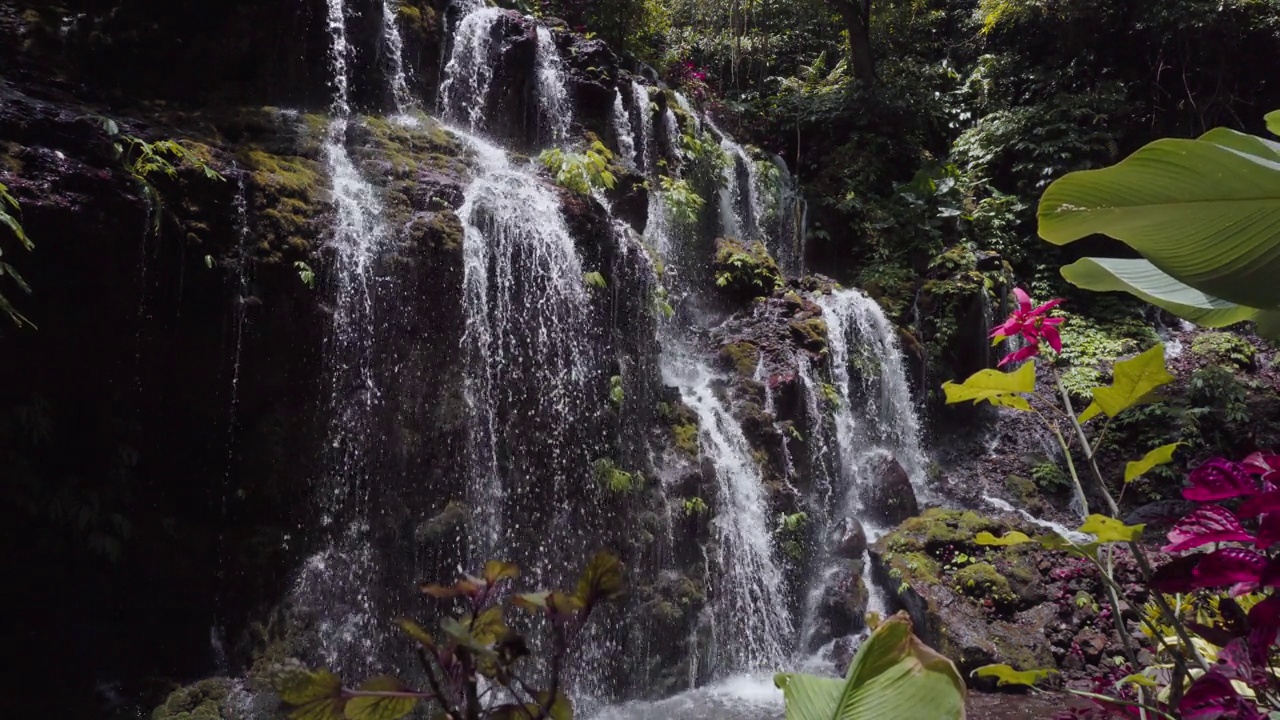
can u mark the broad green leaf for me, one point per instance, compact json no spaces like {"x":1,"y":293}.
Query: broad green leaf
{"x":496,"y":570}
{"x":561,"y":709}
{"x":1054,"y":541}
{"x":417,"y":632}
{"x":1133,"y":382}
{"x":1147,"y":282}
{"x":1010,"y":538}
{"x":564,"y":604}
{"x":1273,"y":122}
{"x":1203,"y":211}
{"x":364,"y":707}
{"x":300,"y":686}
{"x":1006,"y":675}
{"x":894,"y":675}
{"x":1162,"y":455}
{"x":1091,"y":412}
{"x":488,"y":626}
{"x":997,"y":388}
{"x":1111,"y":530}
{"x":601,"y":580}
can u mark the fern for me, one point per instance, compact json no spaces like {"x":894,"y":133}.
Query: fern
{"x":9,"y":210}
{"x":581,"y":172}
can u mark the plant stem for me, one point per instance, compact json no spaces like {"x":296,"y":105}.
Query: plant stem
{"x":1085,"y":446}
{"x":1071,"y":466}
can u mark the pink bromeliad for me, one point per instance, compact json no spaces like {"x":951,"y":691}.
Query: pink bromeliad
{"x":1032,"y":324}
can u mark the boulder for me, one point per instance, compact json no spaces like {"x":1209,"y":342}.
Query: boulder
{"x":888,"y":496}
{"x":848,"y":539}
{"x":841,"y":610}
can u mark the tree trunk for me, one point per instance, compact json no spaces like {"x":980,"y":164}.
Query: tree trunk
{"x":857,"y":20}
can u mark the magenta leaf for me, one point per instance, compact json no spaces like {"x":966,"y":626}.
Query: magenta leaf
{"x":1176,"y":576}
{"x":1208,"y":524}
{"x":1266,"y":466}
{"x":1213,"y":698}
{"x":1236,"y":567}
{"x":1026,"y":352}
{"x":1259,"y":504}
{"x":1268,"y":531}
{"x":1219,"y":479}
{"x":1266,"y":613}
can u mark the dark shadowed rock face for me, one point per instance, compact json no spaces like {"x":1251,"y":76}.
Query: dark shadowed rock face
{"x":889,"y":498}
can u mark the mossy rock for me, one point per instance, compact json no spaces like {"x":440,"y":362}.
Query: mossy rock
{"x":1224,"y":348}
{"x":982,"y":581}
{"x":205,"y":700}
{"x":745,"y":271}
{"x":810,"y":334}
{"x":742,"y":356}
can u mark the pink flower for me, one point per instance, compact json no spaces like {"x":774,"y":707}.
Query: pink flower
{"x":1032,"y":325}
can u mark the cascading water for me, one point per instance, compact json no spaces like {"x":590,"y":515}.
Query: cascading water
{"x":751,"y":620}
{"x":553,"y":94}
{"x":393,"y":50}
{"x":644,"y":140}
{"x":622,"y":129}
{"x":467,"y":76}
{"x":335,"y":584}
{"x":741,"y":206}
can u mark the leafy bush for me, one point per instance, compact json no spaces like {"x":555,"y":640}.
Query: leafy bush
{"x":1224,"y":348}
{"x":581,"y":172}
{"x":682,"y":201}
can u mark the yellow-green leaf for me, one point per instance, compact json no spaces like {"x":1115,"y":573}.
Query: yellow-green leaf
{"x":379,"y":707}
{"x":417,"y":632}
{"x":1162,"y":455}
{"x":488,"y":626}
{"x":1090,"y":413}
{"x":1006,"y":675}
{"x":300,"y":686}
{"x":496,"y":570}
{"x":1134,"y":381}
{"x":601,"y":580}
{"x":1273,"y":121}
{"x":995,"y":387}
{"x":327,"y":709}
{"x":1137,"y":679}
{"x":1010,"y":538}
{"x":532,"y":601}
{"x":1111,"y":530}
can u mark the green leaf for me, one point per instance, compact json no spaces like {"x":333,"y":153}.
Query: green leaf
{"x":894,"y":675}
{"x":1134,"y":380}
{"x":327,"y":709}
{"x":375,"y":707}
{"x":1147,"y":282}
{"x":1006,"y":675}
{"x":1273,"y":122}
{"x":301,"y":686}
{"x":1137,"y":679}
{"x":496,"y":570}
{"x":1204,"y":211}
{"x":997,"y":388}
{"x":532,"y":601}
{"x":1091,"y":412}
{"x":1013,"y":537}
{"x":601,"y":580}
{"x":488,"y":626}
{"x":595,"y":280}
{"x":561,"y":709}
{"x":1162,"y":455}
{"x":1111,"y":530}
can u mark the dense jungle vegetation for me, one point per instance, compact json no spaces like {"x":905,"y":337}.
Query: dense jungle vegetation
{"x":923,"y":135}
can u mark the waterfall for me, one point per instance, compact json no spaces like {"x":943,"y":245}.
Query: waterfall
{"x":335,"y":584}
{"x":622,"y":129}
{"x":741,"y":206}
{"x":553,"y":94}
{"x":790,"y":217}
{"x":393,"y":47}
{"x":530,"y":366}
{"x":869,"y":372}
{"x":751,"y":619}
{"x":469,"y":72}
{"x":645,"y":141}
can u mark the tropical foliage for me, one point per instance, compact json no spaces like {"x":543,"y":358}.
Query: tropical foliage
{"x":474,"y":650}
{"x":10,"y":219}
{"x":1203,"y":213}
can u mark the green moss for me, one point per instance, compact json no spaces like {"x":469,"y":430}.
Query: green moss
{"x":981,"y":580}
{"x":1224,"y":348}
{"x":937,"y":527}
{"x":741,"y":356}
{"x":1024,"y":491}
{"x":286,"y":174}
{"x":811,"y":334}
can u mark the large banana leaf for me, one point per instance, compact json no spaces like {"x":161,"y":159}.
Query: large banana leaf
{"x":894,"y":675}
{"x":1204,"y":212}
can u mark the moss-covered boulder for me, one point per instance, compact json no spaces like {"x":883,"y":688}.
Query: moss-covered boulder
{"x":211,"y":699}
{"x":977,"y":605}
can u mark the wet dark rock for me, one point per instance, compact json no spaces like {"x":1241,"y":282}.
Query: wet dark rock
{"x":849,"y":539}
{"x":842,"y":609}
{"x":446,"y":525}
{"x":889,"y":498}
